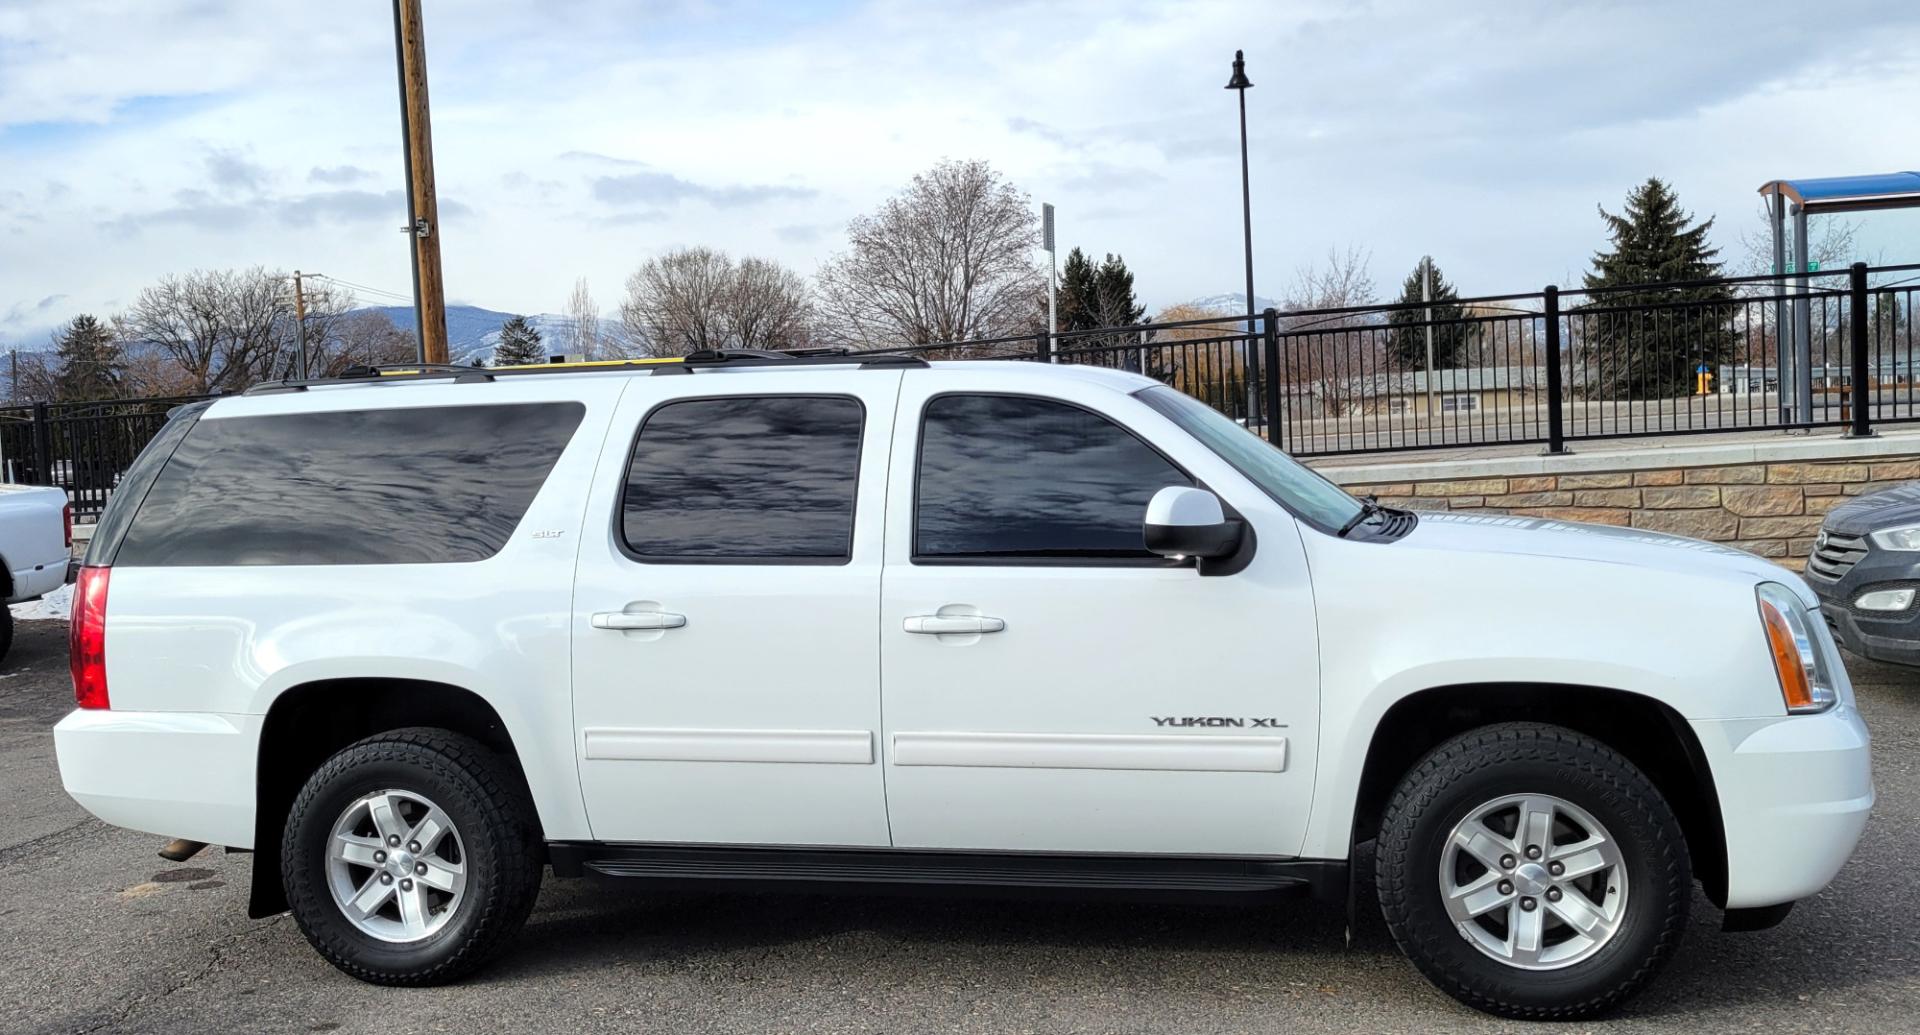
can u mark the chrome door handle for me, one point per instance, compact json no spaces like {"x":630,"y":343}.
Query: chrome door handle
{"x":935,"y":625}
{"x":626,"y":620}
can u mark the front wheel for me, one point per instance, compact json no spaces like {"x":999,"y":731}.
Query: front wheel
{"x":412,"y":857}
{"x":1532,"y":872}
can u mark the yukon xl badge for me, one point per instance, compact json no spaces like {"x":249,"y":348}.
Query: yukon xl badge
{"x":1215,"y":721}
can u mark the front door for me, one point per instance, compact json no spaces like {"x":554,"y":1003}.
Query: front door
{"x":1048,"y":684}
{"x":726,"y":674}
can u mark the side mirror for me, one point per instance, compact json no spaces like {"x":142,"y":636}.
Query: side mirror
{"x":1186,"y":522}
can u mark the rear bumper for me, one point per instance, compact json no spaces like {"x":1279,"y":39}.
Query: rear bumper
{"x":175,"y":774}
{"x":1795,"y":793}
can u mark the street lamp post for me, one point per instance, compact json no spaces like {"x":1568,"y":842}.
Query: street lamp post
{"x":1240,"y":83}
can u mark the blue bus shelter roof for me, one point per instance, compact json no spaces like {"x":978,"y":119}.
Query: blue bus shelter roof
{"x":1837,"y":193}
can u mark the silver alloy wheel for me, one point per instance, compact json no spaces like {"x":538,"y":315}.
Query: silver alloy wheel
{"x":396,"y":866}
{"x":1534,"y":881}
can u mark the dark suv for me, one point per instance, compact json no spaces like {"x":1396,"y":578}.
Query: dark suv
{"x":1866,"y":569}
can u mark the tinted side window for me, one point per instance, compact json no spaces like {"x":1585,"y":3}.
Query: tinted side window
{"x":753,"y":479}
{"x":1006,"y":476}
{"x":404,"y":486}
{"x":133,"y":485}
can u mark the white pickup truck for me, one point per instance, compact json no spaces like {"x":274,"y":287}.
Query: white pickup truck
{"x":36,"y":542}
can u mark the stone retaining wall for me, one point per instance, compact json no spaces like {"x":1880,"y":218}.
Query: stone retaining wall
{"x":1771,"y":509}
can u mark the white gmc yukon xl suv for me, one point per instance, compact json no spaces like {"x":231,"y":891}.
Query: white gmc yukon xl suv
{"x":868,"y":622}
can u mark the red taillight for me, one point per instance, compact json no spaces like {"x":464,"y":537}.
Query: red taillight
{"x":66,"y":520}
{"x":87,"y":638}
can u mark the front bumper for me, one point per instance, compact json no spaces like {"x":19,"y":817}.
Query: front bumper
{"x":175,"y":774}
{"x":1795,"y":793}
{"x":1880,"y":635}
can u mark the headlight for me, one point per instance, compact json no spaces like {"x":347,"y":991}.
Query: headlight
{"x":1806,"y":680}
{"x":1906,"y":537}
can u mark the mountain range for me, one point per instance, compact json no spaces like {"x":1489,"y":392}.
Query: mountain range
{"x":1235,"y":303}
{"x":472,"y":331}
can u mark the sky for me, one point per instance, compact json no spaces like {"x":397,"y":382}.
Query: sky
{"x":576,"y":139}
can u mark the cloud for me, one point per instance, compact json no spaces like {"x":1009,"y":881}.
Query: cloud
{"x":658,"y":188}
{"x":229,"y":170}
{"x":344,"y":206}
{"x":206,"y":211}
{"x":1022,"y":124}
{"x":803,"y":233}
{"x":226,"y":132}
{"x":1105,"y":178}
{"x":21,"y":312}
{"x":630,"y":218}
{"x":338,"y":174}
{"x":195,"y":209}
{"x":596,"y":157}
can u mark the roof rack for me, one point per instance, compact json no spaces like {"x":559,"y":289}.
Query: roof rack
{"x":401,"y":373}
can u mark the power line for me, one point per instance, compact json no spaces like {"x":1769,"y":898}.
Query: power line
{"x":381,"y":293}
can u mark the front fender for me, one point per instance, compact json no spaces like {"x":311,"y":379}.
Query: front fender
{"x":1689,"y":640}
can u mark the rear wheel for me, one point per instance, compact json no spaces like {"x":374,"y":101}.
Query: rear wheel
{"x":1533,"y":872}
{"x":411,"y":858}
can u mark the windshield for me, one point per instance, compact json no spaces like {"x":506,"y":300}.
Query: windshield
{"x":1292,"y":484}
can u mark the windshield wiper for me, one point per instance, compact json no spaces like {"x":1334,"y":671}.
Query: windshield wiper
{"x":1368,"y":508}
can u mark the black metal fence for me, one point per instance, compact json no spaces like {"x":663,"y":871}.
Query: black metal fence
{"x":1834,"y":348}
{"x":1824,"y":349}
{"x":83,"y":447}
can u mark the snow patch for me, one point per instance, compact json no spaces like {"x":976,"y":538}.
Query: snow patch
{"x":55,"y":606}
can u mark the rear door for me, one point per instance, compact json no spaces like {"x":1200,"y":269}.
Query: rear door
{"x":726,"y":673}
{"x":1105,"y":700}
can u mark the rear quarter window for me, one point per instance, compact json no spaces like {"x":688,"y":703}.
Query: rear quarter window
{"x":428,"y":485}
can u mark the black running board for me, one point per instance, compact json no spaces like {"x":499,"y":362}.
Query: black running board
{"x":870,"y":870}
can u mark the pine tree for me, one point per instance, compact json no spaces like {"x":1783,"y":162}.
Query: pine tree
{"x":1407,"y":341}
{"x":1115,"y":304}
{"x":1078,"y":295}
{"x":1652,"y":340}
{"x":89,"y":362}
{"x":519,"y":344}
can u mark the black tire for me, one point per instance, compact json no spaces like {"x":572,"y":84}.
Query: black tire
{"x":1476,"y":768}
{"x":6,"y":630}
{"x":500,"y":838}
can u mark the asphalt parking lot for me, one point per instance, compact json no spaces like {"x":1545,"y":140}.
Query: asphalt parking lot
{"x":97,"y":934}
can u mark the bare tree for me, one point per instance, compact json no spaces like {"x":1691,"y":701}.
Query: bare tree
{"x":768,"y":306}
{"x":225,"y":328}
{"x":33,"y":377}
{"x":1831,"y":245}
{"x":583,"y":335}
{"x":674,"y":302}
{"x":1203,"y":360}
{"x":1334,"y":354}
{"x":152,"y":373}
{"x":697,"y":298}
{"x":949,"y":258}
{"x":359,"y":338}
{"x":1830,"y":242}
{"x":328,"y":305}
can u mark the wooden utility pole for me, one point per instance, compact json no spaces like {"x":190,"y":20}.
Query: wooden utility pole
{"x":423,"y":207}
{"x":300,"y":322}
